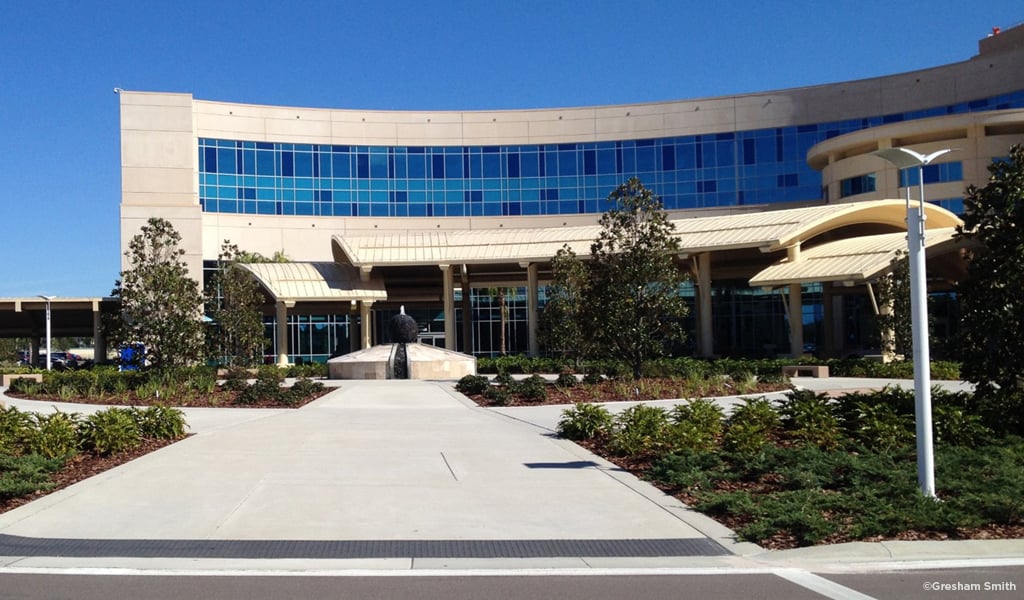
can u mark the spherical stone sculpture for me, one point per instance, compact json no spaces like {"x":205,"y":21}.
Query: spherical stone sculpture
{"x":403,"y":328}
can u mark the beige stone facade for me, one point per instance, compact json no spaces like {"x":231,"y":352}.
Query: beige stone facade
{"x":160,"y":169}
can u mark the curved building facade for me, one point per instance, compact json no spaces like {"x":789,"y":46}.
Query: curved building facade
{"x":307,"y":180}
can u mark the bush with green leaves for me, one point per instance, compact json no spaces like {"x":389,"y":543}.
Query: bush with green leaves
{"x":532,"y":389}
{"x":585,"y":422}
{"x":751,"y":427}
{"x":566,"y":380}
{"x":503,"y":378}
{"x":473,"y":384}
{"x":811,"y":419}
{"x":882,"y":428}
{"x":955,"y":426}
{"x":23,"y":475}
{"x":54,"y":435}
{"x":24,"y":385}
{"x":266,"y":388}
{"x":499,"y":396}
{"x":640,"y":430}
{"x":159,"y":422}
{"x":303,"y":388}
{"x":15,"y":430}
{"x":696,"y":425}
{"x":110,"y":431}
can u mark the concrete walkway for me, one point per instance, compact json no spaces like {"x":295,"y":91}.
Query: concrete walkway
{"x":394,"y":475}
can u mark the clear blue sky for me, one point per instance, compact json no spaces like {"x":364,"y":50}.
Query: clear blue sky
{"x":59,"y":62}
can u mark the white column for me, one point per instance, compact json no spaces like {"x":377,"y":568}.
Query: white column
{"x":467,"y":312}
{"x":705,"y":331}
{"x":449,"y":306}
{"x":282,"y":307}
{"x":365,"y":326}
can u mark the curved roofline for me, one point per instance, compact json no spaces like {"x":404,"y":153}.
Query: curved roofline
{"x":854,"y":260}
{"x":884,"y":212}
{"x":314,"y":281}
{"x":770,"y":231}
{"x":651,"y":103}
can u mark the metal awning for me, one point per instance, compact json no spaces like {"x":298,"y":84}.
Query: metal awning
{"x":315,"y":281}
{"x":855,"y":260}
{"x":769,"y":230}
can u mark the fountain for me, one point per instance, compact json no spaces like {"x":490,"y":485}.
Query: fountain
{"x":404,"y":358}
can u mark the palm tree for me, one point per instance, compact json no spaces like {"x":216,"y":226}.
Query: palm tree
{"x":500,"y":293}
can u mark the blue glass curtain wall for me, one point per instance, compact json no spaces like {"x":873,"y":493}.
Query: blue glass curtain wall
{"x":722,"y":169}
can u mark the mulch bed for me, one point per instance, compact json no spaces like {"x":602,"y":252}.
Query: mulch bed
{"x":84,"y":466}
{"x":612,"y":391}
{"x":216,"y":399}
{"x":640,"y":466}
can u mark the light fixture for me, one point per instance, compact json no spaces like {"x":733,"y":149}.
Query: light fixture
{"x":49,"y":355}
{"x":904,"y":158}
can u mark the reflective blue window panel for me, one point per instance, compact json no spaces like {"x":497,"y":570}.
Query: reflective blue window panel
{"x":748,"y":167}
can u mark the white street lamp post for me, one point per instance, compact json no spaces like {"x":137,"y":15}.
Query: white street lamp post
{"x":904,"y":158}
{"x":49,"y":356}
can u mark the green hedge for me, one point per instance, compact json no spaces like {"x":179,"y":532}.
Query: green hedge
{"x":694,"y":368}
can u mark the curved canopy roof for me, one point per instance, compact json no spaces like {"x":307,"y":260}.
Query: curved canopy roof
{"x":855,"y":260}
{"x":769,"y":231}
{"x":313,"y":281}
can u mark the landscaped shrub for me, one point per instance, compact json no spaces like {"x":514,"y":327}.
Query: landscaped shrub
{"x":956,"y":427}
{"x":23,"y":475}
{"x":110,"y":431}
{"x":810,"y":418}
{"x":585,"y":422}
{"x":499,"y":396}
{"x":266,"y":388}
{"x":473,"y":384}
{"x":159,"y":422}
{"x":640,"y":430}
{"x":24,"y":385}
{"x":566,"y":380}
{"x":882,"y":429}
{"x":304,"y":387}
{"x":751,"y":427}
{"x":696,"y":425}
{"x":54,"y":435}
{"x":15,"y":429}
{"x":503,"y":378}
{"x":532,"y":389}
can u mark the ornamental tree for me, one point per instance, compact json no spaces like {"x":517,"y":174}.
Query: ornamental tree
{"x":161,"y":305}
{"x":566,"y":323}
{"x":894,"y":292}
{"x":234,"y":298}
{"x":635,"y":280}
{"x":992,"y":295}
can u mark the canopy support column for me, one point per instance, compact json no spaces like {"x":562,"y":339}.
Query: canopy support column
{"x":705,"y":331}
{"x":281,"y":311}
{"x":467,"y":312}
{"x":365,"y":326}
{"x":99,"y":356}
{"x":449,"y":306}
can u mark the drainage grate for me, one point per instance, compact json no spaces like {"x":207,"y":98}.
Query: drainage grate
{"x":27,"y":546}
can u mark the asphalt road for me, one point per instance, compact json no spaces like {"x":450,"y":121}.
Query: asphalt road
{"x":785,"y":584}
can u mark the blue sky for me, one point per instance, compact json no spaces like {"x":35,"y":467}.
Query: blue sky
{"x":59,"y":63}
